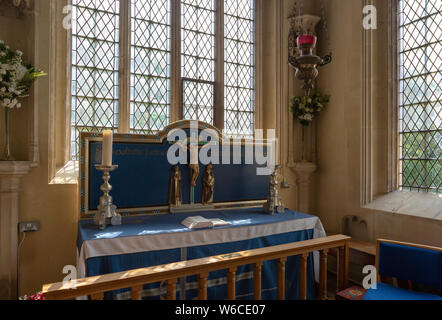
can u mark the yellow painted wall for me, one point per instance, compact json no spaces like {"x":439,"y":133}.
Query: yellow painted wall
{"x":339,"y":126}
{"x":336,"y":190}
{"x":338,"y":181}
{"x":46,"y":252}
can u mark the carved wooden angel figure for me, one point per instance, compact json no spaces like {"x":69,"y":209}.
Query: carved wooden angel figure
{"x":208,"y":185}
{"x":175,"y":192}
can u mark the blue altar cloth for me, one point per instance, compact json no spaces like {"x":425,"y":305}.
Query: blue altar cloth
{"x":144,"y":241}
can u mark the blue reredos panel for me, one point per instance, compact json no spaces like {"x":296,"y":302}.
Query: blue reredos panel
{"x":142,"y":178}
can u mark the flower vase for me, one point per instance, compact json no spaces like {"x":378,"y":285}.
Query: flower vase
{"x":7,"y":154}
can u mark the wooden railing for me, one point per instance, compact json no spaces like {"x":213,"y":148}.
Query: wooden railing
{"x":135,"y":279}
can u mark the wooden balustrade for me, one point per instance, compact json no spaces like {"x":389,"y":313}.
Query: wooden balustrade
{"x":136,"y":292}
{"x":135,"y":279}
{"x":303,"y":276}
{"x":257,"y":274}
{"x":281,"y":278}
{"x":202,"y":286}
{"x":323,"y":275}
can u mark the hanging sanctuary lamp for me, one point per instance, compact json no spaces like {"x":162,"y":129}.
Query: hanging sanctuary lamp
{"x":302,"y":42}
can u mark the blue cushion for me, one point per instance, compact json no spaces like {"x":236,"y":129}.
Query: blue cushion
{"x":419,"y":265}
{"x":387,"y":292}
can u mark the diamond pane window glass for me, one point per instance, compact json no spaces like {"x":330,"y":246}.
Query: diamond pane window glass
{"x":420,"y":101}
{"x":150,"y":65}
{"x":198,"y":59}
{"x":239,"y":67}
{"x":95,"y":36}
{"x":198,"y":100}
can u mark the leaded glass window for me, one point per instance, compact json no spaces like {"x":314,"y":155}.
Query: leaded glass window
{"x":137,"y":65}
{"x":95,"y":37}
{"x":198,"y":59}
{"x":420,"y":107}
{"x":239,"y":73}
{"x":150,"y":65}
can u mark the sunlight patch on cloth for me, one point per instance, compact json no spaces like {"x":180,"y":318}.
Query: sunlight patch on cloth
{"x":241,"y":222}
{"x":147,"y":232}
{"x":108,"y":235}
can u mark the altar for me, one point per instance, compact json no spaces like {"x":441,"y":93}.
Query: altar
{"x":155,"y":240}
{"x":134,"y":220}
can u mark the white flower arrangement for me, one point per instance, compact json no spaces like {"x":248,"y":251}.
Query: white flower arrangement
{"x":16,"y":77}
{"x":306,"y":108}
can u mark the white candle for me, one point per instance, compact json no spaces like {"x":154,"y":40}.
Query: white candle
{"x":106,"y":153}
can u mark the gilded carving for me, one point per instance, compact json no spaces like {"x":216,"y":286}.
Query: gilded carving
{"x":195,"y":172}
{"x":208,"y":185}
{"x":175,"y":191}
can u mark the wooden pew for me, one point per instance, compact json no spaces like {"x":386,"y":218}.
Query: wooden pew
{"x":95,"y":287}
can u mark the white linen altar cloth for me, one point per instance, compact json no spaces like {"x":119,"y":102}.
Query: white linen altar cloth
{"x":110,"y":244}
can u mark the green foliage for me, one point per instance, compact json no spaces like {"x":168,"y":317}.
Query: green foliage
{"x":30,"y":76}
{"x":421,"y":164}
{"x":16,"y":77}
{"x":306,"y":108}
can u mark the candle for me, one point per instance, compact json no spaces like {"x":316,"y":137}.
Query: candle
{"x":306,"y":39}
{"x":106,"y":153}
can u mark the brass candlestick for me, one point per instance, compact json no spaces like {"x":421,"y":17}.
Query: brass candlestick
{"x":107,"y":212}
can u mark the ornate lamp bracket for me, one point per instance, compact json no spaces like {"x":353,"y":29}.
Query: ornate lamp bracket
{"x":302,"y":42}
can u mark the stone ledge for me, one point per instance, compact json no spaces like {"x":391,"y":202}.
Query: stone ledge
{"x":423,"y":205}
{"x":68,"y":174}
